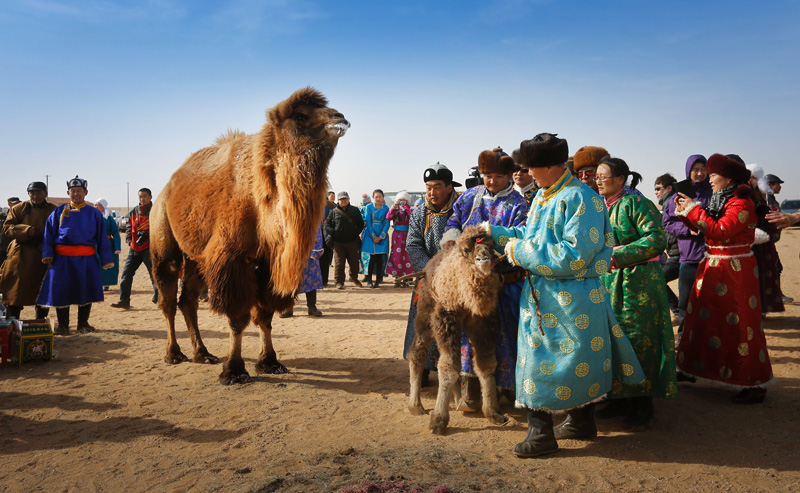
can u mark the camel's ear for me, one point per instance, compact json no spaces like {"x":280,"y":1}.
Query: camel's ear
{"x":285,"y":110}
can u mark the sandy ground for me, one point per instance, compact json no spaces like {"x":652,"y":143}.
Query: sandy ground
{"x":110,"y":415}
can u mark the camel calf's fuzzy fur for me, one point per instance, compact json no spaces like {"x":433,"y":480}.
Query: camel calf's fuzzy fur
{"x":459,"y":290}
{"x":242,"y":216}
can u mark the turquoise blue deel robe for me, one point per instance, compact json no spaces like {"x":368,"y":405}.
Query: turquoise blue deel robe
{"x":375,"y":226}
{"x":567,"y":357}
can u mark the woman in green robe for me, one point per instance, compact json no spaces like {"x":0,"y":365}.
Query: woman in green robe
{"x":638,"y":295}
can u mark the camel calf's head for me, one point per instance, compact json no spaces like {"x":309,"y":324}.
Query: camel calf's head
{"x":304,"y":122}
{"x":477,"y":247}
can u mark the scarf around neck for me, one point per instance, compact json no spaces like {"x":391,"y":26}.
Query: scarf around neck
{"x":446,"y":207}
{"x":610,"y":201}
{"x":719,"y":199}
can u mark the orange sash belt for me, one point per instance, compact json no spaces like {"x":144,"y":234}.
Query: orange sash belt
{"x":75,"y":250}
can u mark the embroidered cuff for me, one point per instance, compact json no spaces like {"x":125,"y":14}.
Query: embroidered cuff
{"x":449,"y":235}
{"x":686,"y":211}
{"x":509,"y":251}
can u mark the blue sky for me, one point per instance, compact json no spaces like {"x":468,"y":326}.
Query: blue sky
{"x":122,"y":92}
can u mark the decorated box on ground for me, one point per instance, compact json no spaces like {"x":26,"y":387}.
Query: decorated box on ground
{"x":32,"y":342}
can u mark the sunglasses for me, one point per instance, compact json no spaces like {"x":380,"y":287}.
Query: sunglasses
{"x":586,"y":173}
{"x":658,"y":189}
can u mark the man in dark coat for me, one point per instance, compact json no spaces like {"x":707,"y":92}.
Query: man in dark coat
{"x":342,"y":229}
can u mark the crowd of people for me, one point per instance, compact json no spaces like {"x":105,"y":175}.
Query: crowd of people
{"x":585,"y":315}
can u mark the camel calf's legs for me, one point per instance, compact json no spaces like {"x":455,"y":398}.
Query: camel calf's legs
{"x":484,"y":343}
{"x":417,"y":355}
{"x":233,"y":369}
{"x":268,"y":359}
{"x":448,"y":338}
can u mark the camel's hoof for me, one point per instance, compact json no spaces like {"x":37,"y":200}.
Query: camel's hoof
{"x":175,"y":358}
{"x":275,"y":368}
{"x":205,"y":358}
{"x":438,"y":425}
{"x":229,"y":378}
{"x":498,"y":419}
{"x":416,"y":410}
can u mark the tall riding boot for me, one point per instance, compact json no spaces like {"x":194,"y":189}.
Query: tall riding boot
{"x":579,"y":424}
{"x":13,"y":311}
{"x":541,"y":439}
{"x":615,"y":408}
{"x":641,"y":415}
{"x":83,"y":318}
{"x":62,"y":314}
{"x":311,"y":303}
{"x":471,"y":400}
{"x":42,"y":311}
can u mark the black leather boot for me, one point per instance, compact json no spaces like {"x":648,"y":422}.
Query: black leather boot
{"x":42,"y":311}
{"x":615,"y":408}
{"x":311,"y":303}
{"x":641,"y":414}
{"x":579,"y":424}
{"x":750,"y":395}
{"x":13,"y":311}
{"x":62,"y":315}
{"x":83,"y":319}
{"x":540,"y":439}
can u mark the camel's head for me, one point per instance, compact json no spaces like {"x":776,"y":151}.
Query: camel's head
{"x":477,"y":247}
{"x":304,"y":122}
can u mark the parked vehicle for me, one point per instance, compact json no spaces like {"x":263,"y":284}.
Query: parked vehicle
{"x":790,"y":206}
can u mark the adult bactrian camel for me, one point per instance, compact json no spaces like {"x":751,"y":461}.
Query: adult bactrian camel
{"x":242,"y":216}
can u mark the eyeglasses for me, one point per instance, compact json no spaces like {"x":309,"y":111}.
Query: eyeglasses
{"x":602,"y":178}
{"x":586,"y":173}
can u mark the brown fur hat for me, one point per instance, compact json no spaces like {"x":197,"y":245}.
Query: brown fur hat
{"x":728,"y":167}
{"x":589,"y":156}
{"x":543,"y":150}
{"x":495,"y":161}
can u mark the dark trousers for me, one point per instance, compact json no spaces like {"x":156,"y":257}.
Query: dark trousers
{"x":325,"y":263}
{"x":350,"y":252}
{"x":686,"y":277}
{"x":672,"y":269}
{"x":132,"y":263}
{"x":376,"y":267}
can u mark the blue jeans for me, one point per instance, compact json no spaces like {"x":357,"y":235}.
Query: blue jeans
{"x":686,"y":277}
{"x":132,"y":263}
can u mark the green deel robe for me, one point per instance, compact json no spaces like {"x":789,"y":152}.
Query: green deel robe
{"x":639,"y":298}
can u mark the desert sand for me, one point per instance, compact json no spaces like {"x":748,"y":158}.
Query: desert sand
{"x":110,"y":415}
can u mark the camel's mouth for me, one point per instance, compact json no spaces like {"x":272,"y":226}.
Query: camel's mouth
{"x":339,"y":128}
{"x":483,"y":263}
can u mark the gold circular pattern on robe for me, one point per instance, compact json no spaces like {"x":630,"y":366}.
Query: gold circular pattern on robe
{"x":581,"y":209}
{"x":713,"y":262}
{"x":577,"y":264}
{"x":502,"y":240}
{"x":527,"y":246}
{"x":594,"y":235}
{"x":744,"y":216}
{"x":701,"y":225}
{"x":616,"y":386}
{"x":547,"y":367}
{"x":544,"y":270}
{"x":606,"y":364}
{"x":599,"y":205}
{"x":536,"y":217}
{"x":550,"y":222}
{"x":704,"y":313}
{"x":744,"y":349}
{"x":567,"y":345}
{"x":562,"y":206}
{"x":563,"y":392}
{"x":521,"y":360}
{"x":681,"y":357}
{"x":699,"y":285}
{"x":689,"y":308}
{"x":750,"y":333}
{"x":596,"y":295}
{"x":537,"y":340}
{"x":564,"y":298}
{"x":550,"y":278}
{"x":627,"y":369}
{"x":714,"y":342}
{"x":582,"y":321}
{"x":725,"y":372}
{"x":609,"y":239}
{"x":556,"y":250}
{"x":753,"y":302}
{"x":597,"y":344}
{"x":594,"y":390}
{"x":732,"y":318}
{"x":582,"y":369}
{"x":617,"y":331}
{"x":762,"y":356}
{"x":535,"y":293}
{"x":722,"y":289}
{"x":526,"y":314}
{"x":579,"y":275}
{"x":736,"y":265}
{"x":529,"y":387}
{"x":601,"y":267}
{"x":549,"y":320}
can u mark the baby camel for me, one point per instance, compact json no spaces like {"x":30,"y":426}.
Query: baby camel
{"x":459,"y":290}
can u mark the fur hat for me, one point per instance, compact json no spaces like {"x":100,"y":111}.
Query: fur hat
{"x":589,"y":156}
{"x":77,"y":182}
{"x":757,"y":172}
{"x":728,"y":167}
{"x":403,"y":196}
{"x":543,"y":150}
{"x":495,"y":161}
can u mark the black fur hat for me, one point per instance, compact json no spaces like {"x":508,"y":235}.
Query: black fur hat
{"x":543,"y":150}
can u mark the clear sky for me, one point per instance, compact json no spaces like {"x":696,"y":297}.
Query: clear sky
{"x":123,"y":91}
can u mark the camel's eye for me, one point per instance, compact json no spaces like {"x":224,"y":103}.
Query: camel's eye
{"x":301,"y":119}
{"x":466,"y":251}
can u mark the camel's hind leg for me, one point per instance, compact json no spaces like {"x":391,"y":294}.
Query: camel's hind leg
{"x":417,"y":355}
{"x":193,"y":284}
{"x":167,"y":260}
{"x":446,"y":328}
{"x":483,"y":336}
{"x":233,"y":370}
{"x":268,"y":359}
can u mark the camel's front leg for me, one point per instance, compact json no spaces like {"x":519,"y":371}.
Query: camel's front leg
{"x":448,"y":338}
{"x":484,"y":344}
{"x":268,"y":359}
{"x":233,"y":369}
{"x":417,"y":355}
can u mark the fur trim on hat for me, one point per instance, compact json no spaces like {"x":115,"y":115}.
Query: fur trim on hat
{"x":495,"y":161}
{"x":757,"y":172}
{"x":543,"y":150}
{"x":589,"y":156}
{"x":728,"y":167}
{"x":403,"y":196}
